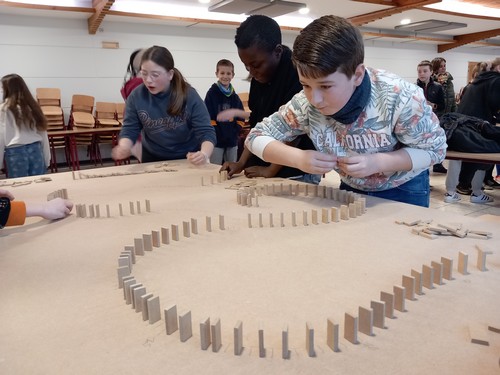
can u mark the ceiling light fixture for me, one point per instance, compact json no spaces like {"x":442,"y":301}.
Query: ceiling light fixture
{"x":304,"y":10}
{"x":270,"y":8}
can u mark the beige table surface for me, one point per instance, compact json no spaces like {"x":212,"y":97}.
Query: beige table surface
{"x":61,"y":311}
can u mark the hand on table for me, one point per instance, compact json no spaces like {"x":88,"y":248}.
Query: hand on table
{"x":232,"y":168}
{"x":198,"y":158}
{"x":259,"y":171}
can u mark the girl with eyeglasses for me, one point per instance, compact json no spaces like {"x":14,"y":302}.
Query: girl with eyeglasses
{"x":167,"y":112}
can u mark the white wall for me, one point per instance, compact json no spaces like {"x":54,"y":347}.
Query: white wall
{"x":50,"y":52}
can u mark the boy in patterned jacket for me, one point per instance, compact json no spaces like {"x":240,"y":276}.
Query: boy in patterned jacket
{"x":374,"y":128}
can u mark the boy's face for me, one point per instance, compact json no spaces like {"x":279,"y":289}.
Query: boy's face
{"x":261,"y":64}
{"x":331,"y":93}
{"x":424,"y":73}
{"x":224,"y":75}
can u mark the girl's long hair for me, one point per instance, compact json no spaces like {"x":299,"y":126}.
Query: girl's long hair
{"x":179,"y":86}
{"x":18,"y":99}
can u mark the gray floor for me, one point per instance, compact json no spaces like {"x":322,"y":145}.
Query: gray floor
{"x":464,"y":207}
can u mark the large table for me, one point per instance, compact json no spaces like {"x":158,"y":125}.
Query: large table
{"x":70,"y":136}
{"x":62,"y":311}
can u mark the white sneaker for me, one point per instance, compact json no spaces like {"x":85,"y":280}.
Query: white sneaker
{"x":483,"y":198}
{"x":452,"y":198}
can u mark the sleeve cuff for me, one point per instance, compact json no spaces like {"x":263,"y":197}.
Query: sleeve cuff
{"x":420,"y":159}
{"x":259,"y":144}
{"x":17,"y":214}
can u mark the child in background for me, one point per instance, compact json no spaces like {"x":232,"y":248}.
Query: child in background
{"x":445,"y":79}
{"x":15,"y":212}
{"x":130,"y":82}
{"x":132,"y":78}
{"x":433,"y":91}
{"x":23,"y":130}
{"x":220,"y":97}
{"x":480,"y":100}
{"x":168,"y":113}
{"x":373,"y":127}
{"x":274,"y":81}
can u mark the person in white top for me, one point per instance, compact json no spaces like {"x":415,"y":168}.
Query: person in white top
{"x":24,"y":144}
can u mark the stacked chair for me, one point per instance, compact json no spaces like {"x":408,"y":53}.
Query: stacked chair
{"x":120,"y":112}
{"x":49,"y":100}
{"x":81,"y":117}
{"x":106,"y":117}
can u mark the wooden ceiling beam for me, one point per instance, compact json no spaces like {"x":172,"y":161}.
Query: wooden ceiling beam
{"x":401,"y":6}
{"x":101,"y":8}
{"x":461,"y":40}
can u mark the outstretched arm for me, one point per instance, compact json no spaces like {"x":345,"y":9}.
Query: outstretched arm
{"x":57,"y":208}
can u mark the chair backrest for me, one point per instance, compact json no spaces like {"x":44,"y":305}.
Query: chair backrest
{"x":105,"y":110}
{"x":82,"y":103}
{"x":120,"y":111}
{"x":105,"y":114}
{"x":48,"y":96}
{"x":244,"y":99}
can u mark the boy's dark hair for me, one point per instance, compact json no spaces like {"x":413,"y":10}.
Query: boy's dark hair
{"x":260,"y":31}
{"x":224,"y":62}
{"x":425,"y":63}
{"x":326,"y":45}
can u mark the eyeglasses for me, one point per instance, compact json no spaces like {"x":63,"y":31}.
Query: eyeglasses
{"x":153,"y":75}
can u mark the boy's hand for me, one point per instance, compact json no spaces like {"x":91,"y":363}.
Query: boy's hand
{"x":358,"y":165}
{"x":316,"y":162}
{"x":259,"y":171}
{"x":226,"y":115}
{"x":232,"y":168}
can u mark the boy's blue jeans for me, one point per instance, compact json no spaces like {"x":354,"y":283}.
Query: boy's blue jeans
{"x":26,"y":160}
{"x":416,"y":191}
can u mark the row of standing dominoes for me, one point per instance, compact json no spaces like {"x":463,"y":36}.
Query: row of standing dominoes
{"x":135,"y":293}
{"x":210,"y":334}
{"x":244,"y":194}
{"x":61,"y":193}
{"x":411,"y":286}
{"x":332,"y":214}
{"x":94,"y":210}
{"x":221,"y":177}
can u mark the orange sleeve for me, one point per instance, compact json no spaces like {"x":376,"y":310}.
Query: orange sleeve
{"x":17,"y":214}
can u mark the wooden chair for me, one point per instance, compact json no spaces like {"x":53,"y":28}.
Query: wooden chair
{"x":244,"y":99}
{"x":120,"y":111}
{"x":49,"y":100}
{"x":106,"y":117}
{"x":81,"y":117}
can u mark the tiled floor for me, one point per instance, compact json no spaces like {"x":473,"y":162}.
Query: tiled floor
{"x":464,"y":207}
